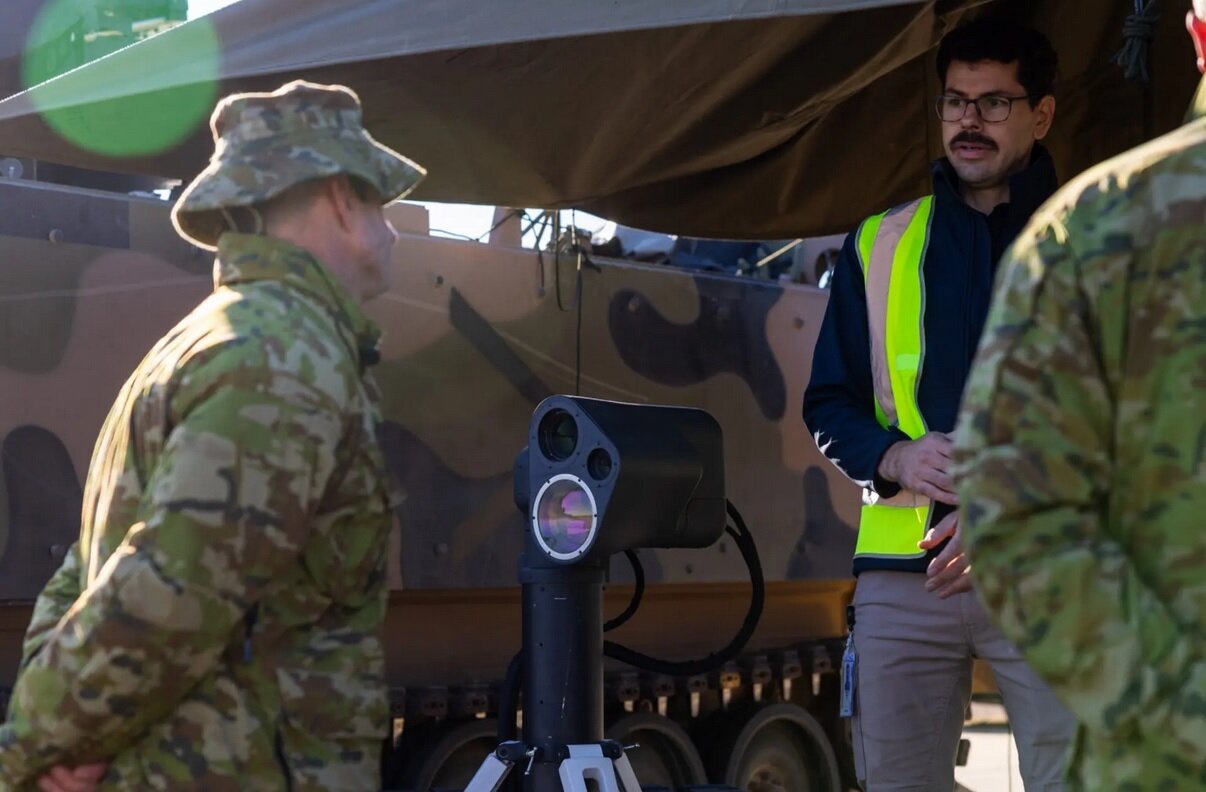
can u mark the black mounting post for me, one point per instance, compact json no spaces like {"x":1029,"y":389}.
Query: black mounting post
{"x":563,"y":661}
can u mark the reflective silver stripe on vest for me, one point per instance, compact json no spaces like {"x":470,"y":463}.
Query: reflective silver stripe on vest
{"x":878,"y":275}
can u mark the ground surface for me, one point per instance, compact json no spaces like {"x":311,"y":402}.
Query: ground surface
{"x":992,"y":765}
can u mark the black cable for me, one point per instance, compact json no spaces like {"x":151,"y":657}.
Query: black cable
{"x":532,"y":221}
{"x":508,"y":713}
{"x":539,"y":254}
{"x":508,"y":699}
{"x":452,"y":234}
{"x":638,"y":572}
{"x":578,"y":330}
{"x":506,"y":216}
{"x":749,"y":552}
{"x":1137,"y":33}
{"x":556,"y":239}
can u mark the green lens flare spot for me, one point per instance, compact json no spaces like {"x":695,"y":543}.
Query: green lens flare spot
{"x":133,"y":102}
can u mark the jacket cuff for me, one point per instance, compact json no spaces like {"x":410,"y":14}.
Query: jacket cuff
{"x":880,"y":485}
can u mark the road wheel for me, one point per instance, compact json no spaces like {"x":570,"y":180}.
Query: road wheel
{"x":837,"y":728}
{"x":667,"y":757}
{"x":451,"y":755}
{"x":780,"y":748}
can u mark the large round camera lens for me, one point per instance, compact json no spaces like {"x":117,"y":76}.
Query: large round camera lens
{"x":599,"y":464}
{"x":558,"y":435}
{"x":564,"y":518}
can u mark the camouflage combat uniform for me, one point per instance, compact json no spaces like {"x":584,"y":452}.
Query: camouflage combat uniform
{"x":1082,"y":461}
{"x":217,"y":625}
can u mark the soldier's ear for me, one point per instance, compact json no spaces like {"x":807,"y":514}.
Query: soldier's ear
{"x":337,"y":192}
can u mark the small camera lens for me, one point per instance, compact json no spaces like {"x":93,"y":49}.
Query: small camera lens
{"x":558,"y":435}
{"x":599,"y":464}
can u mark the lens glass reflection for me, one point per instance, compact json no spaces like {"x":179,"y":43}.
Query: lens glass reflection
{"x":565,"y":517}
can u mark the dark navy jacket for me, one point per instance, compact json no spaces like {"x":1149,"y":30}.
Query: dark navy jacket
{"x":959,"y":268}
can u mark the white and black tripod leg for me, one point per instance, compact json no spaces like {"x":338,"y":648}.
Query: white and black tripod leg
{"x":628,"y":779}
{"x":603,"y":763}
{"x":493,"y":772}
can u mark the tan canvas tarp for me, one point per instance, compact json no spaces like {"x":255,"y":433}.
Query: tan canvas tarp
{"x":731,"y":118}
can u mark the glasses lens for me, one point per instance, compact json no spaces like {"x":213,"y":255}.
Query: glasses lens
{"x":951,"y":108}
{"x":565,"y":517}
{"x":993,"y":108}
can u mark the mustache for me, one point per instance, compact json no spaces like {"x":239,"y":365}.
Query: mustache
{"x":973,"y":139}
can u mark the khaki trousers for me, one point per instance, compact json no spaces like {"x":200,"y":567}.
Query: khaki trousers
{"x":913,"y":685}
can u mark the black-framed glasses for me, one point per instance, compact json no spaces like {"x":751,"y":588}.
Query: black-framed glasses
{"x":993,"y":108}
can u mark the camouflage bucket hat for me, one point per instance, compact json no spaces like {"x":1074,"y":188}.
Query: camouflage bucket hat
{"x":265,"y":143}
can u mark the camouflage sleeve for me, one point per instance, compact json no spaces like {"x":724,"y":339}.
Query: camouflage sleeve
{"x":225,"y":512}
{"x":1034,"y":471}
{"x":60,"y":592}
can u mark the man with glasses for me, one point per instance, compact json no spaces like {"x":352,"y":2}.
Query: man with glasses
{"x":908,"y":303}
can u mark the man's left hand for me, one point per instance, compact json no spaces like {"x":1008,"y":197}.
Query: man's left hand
{"x":949,"y":572}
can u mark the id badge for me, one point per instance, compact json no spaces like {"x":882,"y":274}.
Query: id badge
{"x":849,"y":675}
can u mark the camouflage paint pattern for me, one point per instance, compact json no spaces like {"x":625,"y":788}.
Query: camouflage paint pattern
{"x":1082,"y":461}
{"x":229,"y":583}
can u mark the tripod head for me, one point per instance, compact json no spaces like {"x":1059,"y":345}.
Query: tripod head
{"x":600,"y":477}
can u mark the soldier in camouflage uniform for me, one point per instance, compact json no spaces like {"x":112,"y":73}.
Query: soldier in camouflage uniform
{"x":1081,"y":462}
{"x":216,"y":627}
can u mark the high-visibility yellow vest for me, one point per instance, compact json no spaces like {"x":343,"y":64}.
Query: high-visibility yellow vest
{"x":891,"y":249}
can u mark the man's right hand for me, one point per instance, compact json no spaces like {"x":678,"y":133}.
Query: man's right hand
{"x":84,"y":778}
{"x":920,"y":466}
